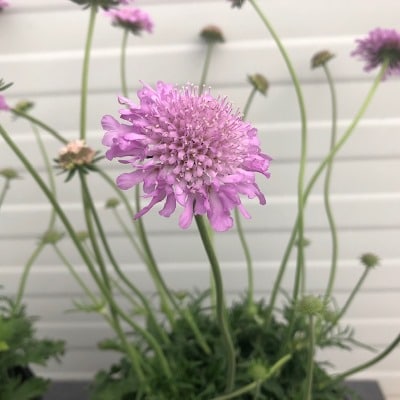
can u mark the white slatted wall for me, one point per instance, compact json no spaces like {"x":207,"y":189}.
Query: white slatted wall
{"x":41,"y":51}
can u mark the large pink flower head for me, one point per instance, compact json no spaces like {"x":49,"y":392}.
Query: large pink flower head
{"x":133,"y":19}
{"x":187,"y":148}
{"x":379,"y":46}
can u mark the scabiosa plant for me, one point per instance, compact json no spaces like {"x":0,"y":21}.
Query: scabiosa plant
{"x":188,"y":149}
{"x":133,"y":19}
{"x":237,"y":3}
{"x":381,"y":45}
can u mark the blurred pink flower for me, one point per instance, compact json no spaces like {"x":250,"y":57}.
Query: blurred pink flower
{"x":3,"y":4}
{"x":133,"y":19}
{"x":3,"y":105}
{"x":189,"y":149}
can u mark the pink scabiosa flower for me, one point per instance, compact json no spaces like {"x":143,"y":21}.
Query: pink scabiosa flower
{"x":3,"y":5}
{"x":189,"y":149}
{"x":133,"y":19}
{"x":381,"y":45}
{"x":3,"y":104}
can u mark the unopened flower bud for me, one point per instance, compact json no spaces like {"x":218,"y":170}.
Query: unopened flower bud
{"x":259,"y":83}
{"x":237,"y":3}
{"x":311,"y":305}
{"x":24,"y":106}
{"x":9,"y":173}
{"x":306,"y":242}
{"x":321,"y":58}
{"x":369,"y":260}
{"x":52,"y":237}
{"x":82,"y":236}
{"x":212,"y":34}
{"x":112,"y":203}
{"x":258,"y":371}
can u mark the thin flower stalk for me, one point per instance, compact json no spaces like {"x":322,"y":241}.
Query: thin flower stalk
{"x":122,"y":63}
{"x":112,"y":259}
{"x":339,"y":144}
{"x":302,"y":165}
{"x":222,"y":317}
{"x":239,"y":227}
{"x":206,"y":66}
{"x":310,"y":359}
{"x":4,"y":190}
{"x":132,"y":353}
{"x":85,"y":71}
{"x":52,"y":185}
{"x":341,"y":377}
{"x":115,"y":311}
{"x":256,"y":384}
{"x":327,"y":186}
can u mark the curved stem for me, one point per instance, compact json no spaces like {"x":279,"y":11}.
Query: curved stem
{"x":239,"y":227}
{"x":52,"y":220}
{"x":310,"y":360}
{"x":327,"y":185}
{"x":122,"y":63}
{"x":40,"y":124}
{"x":339,"y":144}
{"x":303,"y":155}
{"x":361,"y":367}
{"x":6,"y":186}
{"x":206,"y":67}
{"x":221,"y":308}
{"x":85,"y":71}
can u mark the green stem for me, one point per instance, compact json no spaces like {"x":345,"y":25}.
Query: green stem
{"x":206,"y":67}
{"x":254,"y":385}
{"x":339,"y":144}
{"x":40,"y":124}
{"x":122,"y":64}
{"x":350,"y":299}
{"x":361,"y":367}
{"x":303,"y":154}
{"x":106,"y":282}
{"x":40,"y":247}
{"x":75,"y":275}
{"x":327,"y":185}
{"x":6,"y":186}
{"x":221,"y":308}
{"x":239,"y":227}
{"x":85,"y":71}
{"x":310,"y":359}
{"x":115,"y":264}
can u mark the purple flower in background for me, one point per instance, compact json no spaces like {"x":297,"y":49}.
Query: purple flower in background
{"x":3,"y":4}
{"x":131,"y":18}
{"x":3,"y":105}
{"x":380,"y":45}
{"x":189,"y":149}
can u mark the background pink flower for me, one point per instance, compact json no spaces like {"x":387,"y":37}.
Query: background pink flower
{"x":3,"y":105}
{"x":187,"y":149}
{"x":133,"y":19}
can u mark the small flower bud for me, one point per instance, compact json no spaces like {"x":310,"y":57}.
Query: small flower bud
{"x":258,"y":371}
{"x":212,"y":34}
{"x":311,"y":305}
{"x":52,"y":237}
{"x":369,"y":260}
{"x":330,"y":315}
{"x":9,"y":173}
{"x":306,"y":242}
{"x":259,"y":83}
{"x":82,"y":235}
{"x":321,"y":58}
{"x":24,"y":106}
{"x":237,"y":3}
{"x":112,"y":203}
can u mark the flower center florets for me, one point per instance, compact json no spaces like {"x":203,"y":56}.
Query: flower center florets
{"x":196,"y":139}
